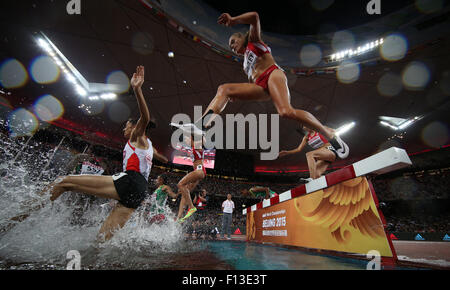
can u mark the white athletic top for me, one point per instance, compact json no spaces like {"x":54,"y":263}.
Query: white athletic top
{"x":138,"y":160}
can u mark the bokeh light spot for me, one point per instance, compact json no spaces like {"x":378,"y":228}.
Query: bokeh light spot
{"x":348,"y":72}
{"x":12,"y":74}
{"x":120,"y":79}
{"x":343,"y":40}
{"x":310,"y":55}
{"x":394,"y":47}
{"x":43,"y":70}
{"x":21,"y":122}
{"x":48,"y":108}
{"x":435,"y":134}
{"x":415,"y":76}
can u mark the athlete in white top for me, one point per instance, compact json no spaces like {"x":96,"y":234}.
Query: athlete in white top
{"x":128,"y":187}
{"x":320,"y":158}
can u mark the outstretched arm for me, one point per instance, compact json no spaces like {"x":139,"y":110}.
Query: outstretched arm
{"x":297,"y":150}
{"x":251,"y":18}
{"x":136,"y":83}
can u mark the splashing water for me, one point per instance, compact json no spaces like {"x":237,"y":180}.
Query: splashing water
{"x":50,"y":230}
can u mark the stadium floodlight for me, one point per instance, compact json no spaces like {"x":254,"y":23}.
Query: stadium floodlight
{"x":348,"y":53}
{"x":398,"y":124}
{"x":80,"y":84}
{"x":345,"y":128}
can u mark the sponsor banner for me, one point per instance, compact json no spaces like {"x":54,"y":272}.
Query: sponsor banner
{"x":343,"y":218}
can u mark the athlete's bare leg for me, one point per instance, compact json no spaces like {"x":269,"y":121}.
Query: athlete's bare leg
{"x":321,"y":167}
{"x":321,"y":155}
{"x":279,"y":92}
{"x":230,"y":92}
{"x":182,"y":205}
{"x":101,"y":186}
{"x":115,"y":221}
{"x":186,"y":185}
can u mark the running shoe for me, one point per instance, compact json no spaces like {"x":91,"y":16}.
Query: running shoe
{"x":341,"y":148}
{"x":189,"y":129}
{"x":189,"y":213}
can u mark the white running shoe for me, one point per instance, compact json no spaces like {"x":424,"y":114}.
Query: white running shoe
{"x":189,"y":129}
{"x":341,"y":148}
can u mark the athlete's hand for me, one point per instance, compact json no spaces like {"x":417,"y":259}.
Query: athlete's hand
{"x":226,"y":19}
{"x":138,"y":78}
{"x":282,"y":153}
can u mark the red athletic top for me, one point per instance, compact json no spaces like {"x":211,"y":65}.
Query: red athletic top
{"x":197,"y":154}
{"x":252,"y":52}
{"x":316,"y":140}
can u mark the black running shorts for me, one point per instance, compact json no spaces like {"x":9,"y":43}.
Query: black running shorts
{"x":131,"y":187}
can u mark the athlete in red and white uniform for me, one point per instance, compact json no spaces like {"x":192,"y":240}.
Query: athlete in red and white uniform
{"x":129,"y":188}
{"x":316,"y":140}
{"x":320,"y":158}
{"x":137,"y":159}
{"x":267,"y":82}
{"x":190,"y":181}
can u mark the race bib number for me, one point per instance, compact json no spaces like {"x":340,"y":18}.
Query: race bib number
{"x":249,"y":63}
{"x":92,"y":169}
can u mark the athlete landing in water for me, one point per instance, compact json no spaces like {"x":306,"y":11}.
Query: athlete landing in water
{"x":128,"y":187}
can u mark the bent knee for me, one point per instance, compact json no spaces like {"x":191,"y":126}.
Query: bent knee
{"x":287,"y":112}
{"x":226,"y":90}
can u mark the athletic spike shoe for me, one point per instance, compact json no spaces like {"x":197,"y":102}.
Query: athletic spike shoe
{"x":188,"y":214}
{"x":189,"y":129}
{"x":341,"y":148}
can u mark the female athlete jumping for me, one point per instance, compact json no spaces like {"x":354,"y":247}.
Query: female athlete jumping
{"x":267,"y":82}
{"x":191,"y":180}
{"x":320,"y":158}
